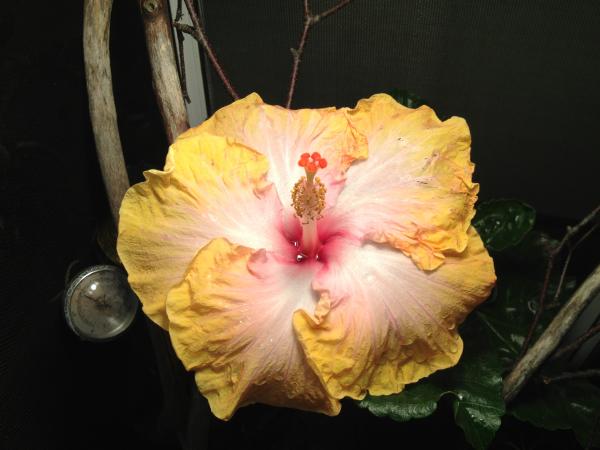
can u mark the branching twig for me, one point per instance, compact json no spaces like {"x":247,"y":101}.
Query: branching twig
{"x":309,"y":20}
{"x":551,"y":336}
{"x":197,"y":31}
{"x":577,"y":342}
{"x":572,"y":375}
{"x":179,"y":13}
{"x":571,"y":232}
{"x":180,"y":38}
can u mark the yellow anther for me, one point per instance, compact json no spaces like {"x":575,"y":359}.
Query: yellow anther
{"x":308,"y":198}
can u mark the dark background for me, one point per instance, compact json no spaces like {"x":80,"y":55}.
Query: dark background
{"x":523,"y":73}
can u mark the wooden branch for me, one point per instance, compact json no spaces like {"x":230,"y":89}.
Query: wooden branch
{"x":197,"y":31}
{"x":96,"y":32}
{"x":103,"y":114}
{"x":571,"y":232}
{"x":552,"y":336}
{"x":309,"y":20}
{"x":167,"y":85}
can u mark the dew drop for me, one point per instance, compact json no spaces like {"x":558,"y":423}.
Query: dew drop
{"x":460,"y":396}
{"x":299,"y":257}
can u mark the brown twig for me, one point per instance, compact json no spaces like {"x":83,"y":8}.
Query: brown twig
{"x":571,"y":232}
{"x":551,"y":336}
{"x":309,"y":20}
{"x":565,"y":349}
{"x":179,"y":13}
{"x":180,"y":39}
{"x":572,"y":248}
{"x":197,"y":31}
{"x":572,"y":375}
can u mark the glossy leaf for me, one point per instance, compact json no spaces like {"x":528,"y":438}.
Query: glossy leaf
{"x":573,"y":404}
{"x":407,"y":98}
{"x":503,"y":223}
{"x":479,"y":405}
{"x":415,"y":402}
{"x":476,"y":387}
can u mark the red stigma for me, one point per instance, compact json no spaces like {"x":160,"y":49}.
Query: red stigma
{"x":312,"y":163}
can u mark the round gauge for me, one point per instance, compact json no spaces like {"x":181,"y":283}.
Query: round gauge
{"x":99,"y":304}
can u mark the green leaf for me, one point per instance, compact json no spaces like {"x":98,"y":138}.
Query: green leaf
{"x":415,"y":402}
{"x":573,"y":404}
{"x":478,"y":407}
{"x":475,"y":385}
{"x":503,"y":223}
{"x":406,"y":98}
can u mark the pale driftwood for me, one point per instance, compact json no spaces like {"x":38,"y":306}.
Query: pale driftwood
{"x":552,"y":336}
{"x":165,"y":77}
{"x":103,"y":115}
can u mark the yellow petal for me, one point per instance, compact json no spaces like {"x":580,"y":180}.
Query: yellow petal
{"x":211,"y":187}
{"x":383,"y":323}
{"x":415,"y":190}
{"x":283,"y":135}
{"x":230,"y":322}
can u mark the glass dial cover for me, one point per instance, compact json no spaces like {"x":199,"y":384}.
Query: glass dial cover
{"x":99,"y":304}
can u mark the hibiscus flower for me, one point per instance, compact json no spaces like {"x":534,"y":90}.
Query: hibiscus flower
{"x":297,"y":257}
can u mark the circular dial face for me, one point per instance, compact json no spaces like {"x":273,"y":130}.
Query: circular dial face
{"x":99,"y":304}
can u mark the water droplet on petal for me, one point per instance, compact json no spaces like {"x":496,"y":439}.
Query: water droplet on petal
{"x":299,"y":257}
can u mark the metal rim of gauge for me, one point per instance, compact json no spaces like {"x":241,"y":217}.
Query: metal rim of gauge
{"x":77,"y":304}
